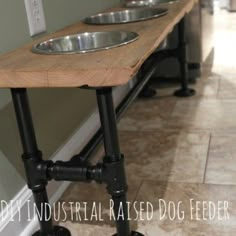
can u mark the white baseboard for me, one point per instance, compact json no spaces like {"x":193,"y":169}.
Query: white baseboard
{"x":11,"y":225}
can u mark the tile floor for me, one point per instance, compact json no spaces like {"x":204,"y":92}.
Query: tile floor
{"x":178,"y":149}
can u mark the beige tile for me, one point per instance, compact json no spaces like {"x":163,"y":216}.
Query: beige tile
{"x":223,"y":70}
{"x":190,"y":221}
{"x":167,"y":156}
{"x":206,"y":86}
{"x":221,"y":167}
{"x":147,"y":114}
{"x":210,"y":70}
{"x":207,"y":114}
{"x":227,"y":89}
{"x":166,"y":89}
{"x":155,"y":160}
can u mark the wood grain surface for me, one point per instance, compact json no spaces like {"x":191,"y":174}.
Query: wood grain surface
{"x":22,"y":68}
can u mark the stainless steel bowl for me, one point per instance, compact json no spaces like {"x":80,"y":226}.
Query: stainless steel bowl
{"x":85,"y":42}
{"x":147,"y":3}
{"x":125,"y":16}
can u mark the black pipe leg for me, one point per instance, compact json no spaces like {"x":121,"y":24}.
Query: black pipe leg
{"x":112,"y":149}
{"x":184,"y":91}
{"x":31,"y":156}
{"x":118,"y":188}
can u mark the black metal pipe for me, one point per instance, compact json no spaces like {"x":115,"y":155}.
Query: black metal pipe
{"x":183,"y":54}
{"x":89,"y":148}
{"x":24,"y":120}
{"x":122,"y":224}
{"x":46,"y":226}
{"x":72,"y":171}
{"x":108,"y":123}
{"x":31,"y":157}
{"x":184,"y":91}
{"x":143,"y":79}
{"x":118,"y":186}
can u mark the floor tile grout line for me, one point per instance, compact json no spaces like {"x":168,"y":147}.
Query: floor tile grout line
{"x":218,"y":90}
{"x":207,"y":159}
{"x":187,"y":183}
{"x":167,"y":123}
{"x":219,"y":86}
{"x":187,"y":130}
{"x":168,"y":119}
{"x":138,"y":190}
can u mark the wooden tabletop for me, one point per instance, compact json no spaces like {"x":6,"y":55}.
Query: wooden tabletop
{"x":22,"y":68}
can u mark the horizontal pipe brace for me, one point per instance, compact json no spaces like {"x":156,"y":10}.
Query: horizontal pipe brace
{"x":111,"y":173}
{"x":67,"y":171}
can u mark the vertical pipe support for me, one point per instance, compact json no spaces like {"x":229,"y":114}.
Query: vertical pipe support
{"x":117,"y":187}
{"x":184,"y":91}
{"x":32,"y":157}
